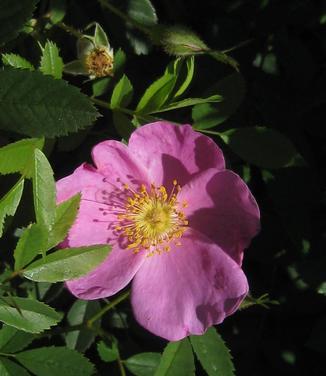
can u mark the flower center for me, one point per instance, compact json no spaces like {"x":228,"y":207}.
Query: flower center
{"x":99,"y":62}
{"x":151,"y":219}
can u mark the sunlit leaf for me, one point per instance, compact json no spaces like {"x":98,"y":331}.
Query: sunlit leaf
{"x":177,"y":359}
{"x":108,"y":353}
{"x":43,"y":189}
{"x":19,"y":156}
{"x":16,"y":61}
{"x":212,"y":353}
{"x":122,"y":93}
{"x":143,"y":364}
{"x":65,"y":215}
{"x":142,"y":11}
{"x":9,"y":202}
{"x":66,"y":264}
{"x":32,"y":242}
{"x":51,"y":61}
{"x":38,"y":105}
{"x":13,"y":340}
{"x":54,"y":361}
{"x":27,"y":314}
{"x":156,"y":95}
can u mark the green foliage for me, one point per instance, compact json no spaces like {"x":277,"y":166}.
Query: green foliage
{"x":108,"y":353}
{"x":43,"y":190}
{"x":263,"y":301}
{"x":188,"y":102}
{"x":156,"y":94}
{"x":212,"y":353}
{"x":9,"y":368}
{"x":63,"y":108}
{"x":232,"y":90}
{"x":32,"y":242}
{"x":79,"y":313}
{"x":261,"y":146}
{"x":65,"y":214}
{"x":100,"y":37}
{"x":16,"y":61}
{"x":13,"y":340}
{"x":177,"y":359}
{"x":13,"y":16}
{"x":142,"y":11}
{"x":144,"y":364}
{"x":66,"y":264}
{"x":51,"y":62}
{"x":187,"y":77}
{"x":52,"y":361}
{"x":122,"y":93}
{"x":10,"y":202}
{"x":27,"y":314}
{"x":19,"y":157}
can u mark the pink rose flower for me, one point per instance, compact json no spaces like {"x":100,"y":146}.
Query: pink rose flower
{"x":178,"y":223}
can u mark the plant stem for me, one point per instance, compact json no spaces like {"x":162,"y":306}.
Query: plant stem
{"x":70,"y":30}
{"x":109,"y":306}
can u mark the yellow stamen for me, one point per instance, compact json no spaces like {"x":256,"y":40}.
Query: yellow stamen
{"x":151,"y":219}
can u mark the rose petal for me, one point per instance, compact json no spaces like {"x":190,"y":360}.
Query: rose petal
{"x":188,"y":289}
{"x":114,"y":160}
{"x":110,"y":277}
{"x":221,"y":207}
{"x":171,"y":152}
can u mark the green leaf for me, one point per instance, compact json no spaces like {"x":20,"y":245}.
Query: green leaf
{"x":13,"y":340}
{"x":32,"y":242}
{"x":100,"y":37}
{"x":27,"y":314}
{"x":122,"y":124}
{"x":190,"y":64}
{"x":143,"y":364}
{"x":38,"y":105}
{"x":188,"y":102}
{"x":66,"y":264}
{"x":177,"y":359}
{"x":54,"y":361}
{"x":232,"y":90}
{"x":75,"y":67}
{"x":156,"y":94}
{"x":9,"y":202}
{"x":261,"y":146}
{"x":51,"y":62}
{"x":57,"y":10}
{"x":43,"y":190}
{"x":212,"y":353}
{"x":13,"y":16}
{"x":79,"y":313}
{"x":122,"y":93}
{"x":16,"y":61}
{"x":65,"y":216}
{"x":106,"y":353}
{"x":142,"y":11}
{"x":9,"y":368}
{"x":19,"y":156}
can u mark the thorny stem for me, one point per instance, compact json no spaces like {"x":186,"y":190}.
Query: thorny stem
{"x":70,"y":30}
{"x":106,"y":308}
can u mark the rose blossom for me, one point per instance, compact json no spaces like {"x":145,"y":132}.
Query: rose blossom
{"x":178,"y":223}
